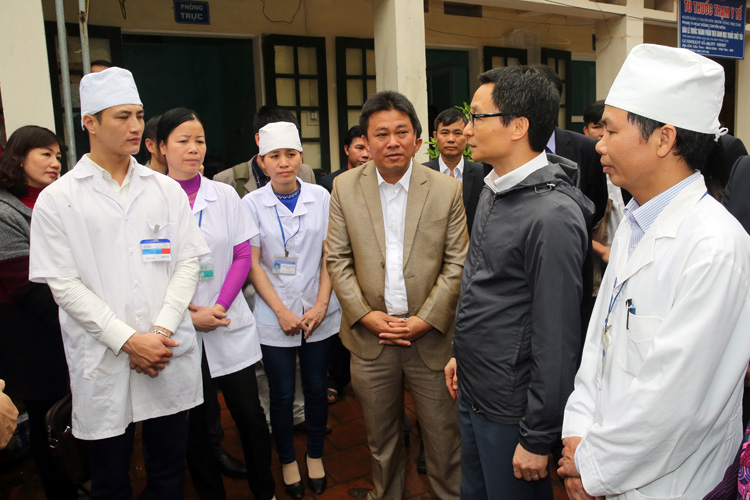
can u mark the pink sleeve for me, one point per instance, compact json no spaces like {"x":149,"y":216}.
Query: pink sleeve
{"x":238,"y":271}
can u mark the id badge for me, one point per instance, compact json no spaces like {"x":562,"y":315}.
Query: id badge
{"x":156,"y":250}
{"x":206,"y":270}
{"x":285,"y":264}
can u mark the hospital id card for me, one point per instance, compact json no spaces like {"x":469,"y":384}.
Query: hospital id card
{"x":285,"y":264}
{"x":206,"y":269}
{"x":156,"y":250}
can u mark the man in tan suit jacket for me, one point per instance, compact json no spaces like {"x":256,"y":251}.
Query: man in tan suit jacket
{"x":398,"y":284}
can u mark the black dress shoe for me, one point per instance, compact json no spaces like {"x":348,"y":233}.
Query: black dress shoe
{"x":296,"y":490}
{"x":318,"y":486}
{"x":230,"y":466}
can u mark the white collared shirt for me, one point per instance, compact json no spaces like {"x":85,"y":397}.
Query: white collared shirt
{"x":458,"y":171}
{"x":393,"y":198}
{"x":497,"y":183}
{"x":120,"y":190}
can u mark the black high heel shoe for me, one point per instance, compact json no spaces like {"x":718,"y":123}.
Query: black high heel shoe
{"x":296,"y":490}
{"x":317,"y":485}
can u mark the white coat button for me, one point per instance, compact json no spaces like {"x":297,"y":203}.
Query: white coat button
{"x":138,"y":313}
{"x":136,"y":283}
{"x":299,"y":275}
{"x":302,"y":295}
{"x":131,"y":250}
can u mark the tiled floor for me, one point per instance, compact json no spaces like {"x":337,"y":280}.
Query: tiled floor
{"x":346,"y":458}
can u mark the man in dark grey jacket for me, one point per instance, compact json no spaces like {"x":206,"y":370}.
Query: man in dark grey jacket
{"x":517,"y":337}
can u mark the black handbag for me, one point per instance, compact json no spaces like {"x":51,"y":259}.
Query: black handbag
{"x":68,"y":452}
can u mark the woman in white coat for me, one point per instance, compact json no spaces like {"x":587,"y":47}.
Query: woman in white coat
{"x":295,"y":310}
{"x":226,"y":327}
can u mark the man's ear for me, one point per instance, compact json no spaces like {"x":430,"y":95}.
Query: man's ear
{"x":666,"y":137}
{"x":434,"y":134}
{"x":257,"y":139}
{"x":150,"y":145}
{"x":418,"y":143}
{"x":88,"y":123}
{"x":520,"y":128}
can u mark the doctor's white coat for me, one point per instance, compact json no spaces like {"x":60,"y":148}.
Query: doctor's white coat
{"x":80,"y":229}
{"x":660,"y":413}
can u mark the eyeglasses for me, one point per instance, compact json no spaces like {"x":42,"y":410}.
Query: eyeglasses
{"x":474,"y":116}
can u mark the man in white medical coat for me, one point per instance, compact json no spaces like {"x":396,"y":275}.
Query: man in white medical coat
{"x":119,"y":247}
{"x":656,"y":408}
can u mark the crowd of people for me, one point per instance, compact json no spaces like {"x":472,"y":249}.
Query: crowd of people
{"x":552,"y":300}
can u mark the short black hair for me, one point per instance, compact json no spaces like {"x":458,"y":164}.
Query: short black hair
{"x":450,"y":116}
{"x":272,"y":114}
{"x":524,"y":91}
{"x":101,"y":62}
{"x":353,"y":133}
{"x":593,"y":113}
{"x":551,"y":76}
{"x":388,"y":100}
{"x":693,"y":147}
{"x":173,"y":119}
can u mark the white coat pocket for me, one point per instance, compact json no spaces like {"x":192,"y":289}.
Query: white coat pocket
{"x":640,"y":337}
{"x":99,"y":361}
{"x":637,"y":495}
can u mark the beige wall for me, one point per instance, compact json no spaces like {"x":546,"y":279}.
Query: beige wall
{"x":24,"y":72}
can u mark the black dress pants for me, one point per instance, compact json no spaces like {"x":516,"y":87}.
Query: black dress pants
{"x":164,"y":444}
{"x":240,"y":391}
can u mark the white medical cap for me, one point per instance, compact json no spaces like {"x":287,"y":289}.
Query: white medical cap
{"x":111,"y":87}
{"x":278,"y":135}
{"x":669,"y":85}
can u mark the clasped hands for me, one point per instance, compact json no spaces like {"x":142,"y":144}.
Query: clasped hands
{"x":568,"y":472}
{"x":149,"y":353}
{"x":395,"y":331}
{"x":308,"y":322}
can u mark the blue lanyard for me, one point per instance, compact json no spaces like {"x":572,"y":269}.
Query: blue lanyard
{"x":613,"y":299}
{"x":283,"y":238}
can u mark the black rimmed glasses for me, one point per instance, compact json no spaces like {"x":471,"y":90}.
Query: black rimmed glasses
{"x":474,"y":116}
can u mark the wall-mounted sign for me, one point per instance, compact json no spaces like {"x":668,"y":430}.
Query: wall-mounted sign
{"x":190,"y":12}
{"x":714,"y":28}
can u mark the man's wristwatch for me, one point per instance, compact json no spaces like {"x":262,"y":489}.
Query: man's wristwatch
{"x":159,"y":332}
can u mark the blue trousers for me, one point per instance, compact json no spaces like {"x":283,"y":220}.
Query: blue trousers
{"x":280,"y":365}
{"x":487,"y":450}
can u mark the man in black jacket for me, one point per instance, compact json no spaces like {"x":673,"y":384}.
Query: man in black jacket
{"x":517,"y":336}
{"x":451,"y":142}
{"x":356,"y":153}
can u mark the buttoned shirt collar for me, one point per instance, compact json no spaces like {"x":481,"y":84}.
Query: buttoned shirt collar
{"x":497,"y":183}
{"x":641,"y":217}
{"x":403,"y":181}
{"x":458,"y":171}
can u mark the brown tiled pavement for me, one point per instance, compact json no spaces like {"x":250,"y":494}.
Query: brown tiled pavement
{"x":346,"y":458}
